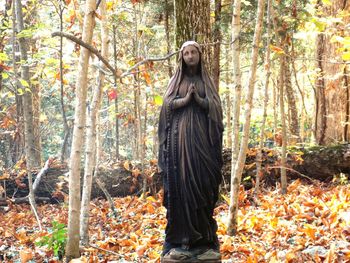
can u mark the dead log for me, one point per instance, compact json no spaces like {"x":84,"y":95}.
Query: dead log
{"x":319,"y":162}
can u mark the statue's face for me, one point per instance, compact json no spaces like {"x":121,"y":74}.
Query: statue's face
{"x":191,"y":55}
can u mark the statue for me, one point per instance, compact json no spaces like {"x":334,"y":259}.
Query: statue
{"x":190,"y":158}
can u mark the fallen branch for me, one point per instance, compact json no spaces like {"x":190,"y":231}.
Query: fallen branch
{"x":292,"y":170}
{"x":108,"y":196}
{"x":21,"y":200}
{"x":42,"y":172}
{"x":105,"y":250}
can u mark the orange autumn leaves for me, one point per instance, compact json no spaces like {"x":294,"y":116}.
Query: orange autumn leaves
{"x":311,"y":223}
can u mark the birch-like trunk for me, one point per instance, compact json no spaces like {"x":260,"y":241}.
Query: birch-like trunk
{"x":266,"y":99}
{"x":236,"y":30}
{"x":91,"y":133}
{"x":116,"y":101}
{"x":29,"y":137}
{"x":229,"y":104}
{"x":236,"y":174}
{"x":281,"y":85}
{"x":72,"y":249}
{"x":284,"y":128}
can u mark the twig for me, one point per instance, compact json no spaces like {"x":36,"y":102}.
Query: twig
{"x":292,"y":170}
{"x":105,"y":250}
{"x":148,"y":60}
{"x":33,"y":205}
{"x":108,"y":196}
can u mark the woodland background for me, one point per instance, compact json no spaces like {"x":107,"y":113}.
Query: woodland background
{"x":81,"y":85}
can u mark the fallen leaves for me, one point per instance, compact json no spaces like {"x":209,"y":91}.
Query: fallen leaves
{"x":309,"y":224}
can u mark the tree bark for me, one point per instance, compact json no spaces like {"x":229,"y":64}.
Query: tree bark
{"x":91,"y":133}
{"x":284,"y":127}
{"x":167,"y":35}
{"x":29,"y":140}
{"x":72,"y":248}
{"x":116,"y":101}
{"x":266,"y":99}
{"x":217,"y":46}
{"x":332,"y":105}
{"x":66,"y":130}
{"x":228,"y":127}
{"x":292,"y":105}
{"x":192,"y":22}
{"x":239,"y":165}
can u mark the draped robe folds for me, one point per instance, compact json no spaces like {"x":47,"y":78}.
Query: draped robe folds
{"x":190,"y":157}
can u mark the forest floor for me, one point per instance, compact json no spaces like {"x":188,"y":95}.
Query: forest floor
{"x":311,"y":223}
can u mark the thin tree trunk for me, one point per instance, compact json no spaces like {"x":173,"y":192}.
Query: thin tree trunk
{"x":91,"y":133}
{"x":65,"y":122}
{"x":217,"y":46}
{"x":229,"y":103}
{"x":167,"y":35}
{"x":29,"y":140}
{"x":281,"y":85}
{"x":275,"y":113}
{"x":236,"y":31}
{"x":72,"y":249}
{"x":116,"y":102}
{"x":143,"y":149}
{"x":284,"y":128}
{"x":18,"y":141}
{"x":239,"y":165}
{"x":292,"y":105}
{"x":266,"y":99}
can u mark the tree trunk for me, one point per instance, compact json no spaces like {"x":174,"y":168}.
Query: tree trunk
{"x":116,"y":102}
{"x":91,"y":133}
{"x":239,"y":165}
{"x":29,"y":140}
{"x":234,"y":182}
{"x":167,"y":35}
{"x":281,"y":85}
{"x":266,"y":99}
{"x":332,"y":89}
{"x":193,"y":23}
{"x":72,"y":249}
{"x":292,"y":105}
{"x":284,"y":127}
{"x":18,"y":141}
{"x":217,"y":46}
{"x":228,"y":103}
{"x":66,"y":130}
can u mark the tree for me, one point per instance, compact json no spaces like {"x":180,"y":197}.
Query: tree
{"x":259,"y":171}
{"x":239,"y":165}
{"x":217,"y":46}
{"x":234,"y":185}
{"x":91,"y":138}
{"x":332,"y":82}
{"x":29,"y":141}
{"x":72,"y":250}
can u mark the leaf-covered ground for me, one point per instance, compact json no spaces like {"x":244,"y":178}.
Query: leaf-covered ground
{"x":309,"y":224}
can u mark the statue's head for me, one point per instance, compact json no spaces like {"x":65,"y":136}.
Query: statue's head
{"x":191,"y":53}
